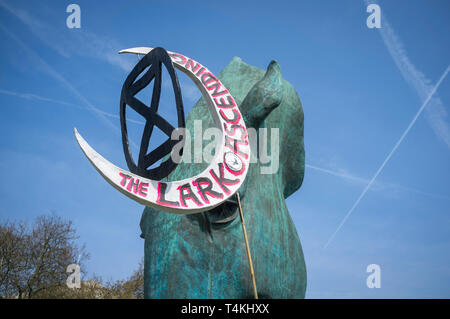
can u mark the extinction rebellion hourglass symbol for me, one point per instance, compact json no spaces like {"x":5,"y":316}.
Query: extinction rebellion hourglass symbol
{"x":153,"y":61}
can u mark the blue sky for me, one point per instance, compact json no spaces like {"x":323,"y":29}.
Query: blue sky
{"x":360,"y":89}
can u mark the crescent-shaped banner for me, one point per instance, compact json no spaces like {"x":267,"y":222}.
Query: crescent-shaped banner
{"x":218,"y":182}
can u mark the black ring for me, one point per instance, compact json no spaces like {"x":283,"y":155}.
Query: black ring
{"x":155,"y":58}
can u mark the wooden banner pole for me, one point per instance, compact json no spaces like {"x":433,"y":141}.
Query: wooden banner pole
{"x":252,"y":273}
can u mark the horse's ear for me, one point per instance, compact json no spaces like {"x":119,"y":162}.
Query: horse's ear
{"x":263,"y":97}
{"x":288,"y":118}
{"x":280,"y":108}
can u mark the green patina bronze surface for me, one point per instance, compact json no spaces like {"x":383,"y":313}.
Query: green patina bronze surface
{"x":204,"y":255}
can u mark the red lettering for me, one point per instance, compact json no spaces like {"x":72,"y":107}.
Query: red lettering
{"x":161,"y":199}
{"x":224,"y":105}
{"x":233,"y":144}
{"x":221,"y":180}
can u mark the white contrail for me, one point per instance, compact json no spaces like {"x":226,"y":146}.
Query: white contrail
{"x":44,"y":66}
{"x":73,"y":43}
{"x":390,"y":154}
{"x":382,"y":186}
{"x":337,"y":174}
{"x":31,"y":96}
{"x":436,"y":114}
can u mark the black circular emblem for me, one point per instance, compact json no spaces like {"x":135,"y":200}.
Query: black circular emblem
{"x":233,"y":162}
{"x":155,"y":59}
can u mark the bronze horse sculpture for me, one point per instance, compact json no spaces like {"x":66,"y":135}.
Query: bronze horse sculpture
{"x":203,"y":255}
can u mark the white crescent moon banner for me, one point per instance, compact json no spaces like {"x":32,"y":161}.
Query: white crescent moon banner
{"x":218,"y":182}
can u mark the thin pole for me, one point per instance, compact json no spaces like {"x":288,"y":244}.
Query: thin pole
{"x":252,"y":273}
